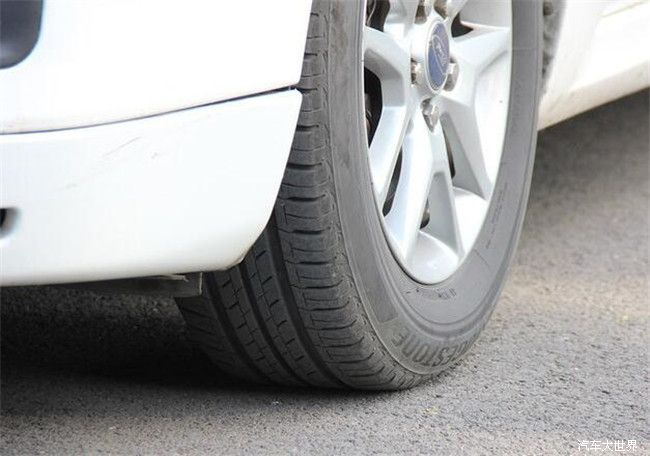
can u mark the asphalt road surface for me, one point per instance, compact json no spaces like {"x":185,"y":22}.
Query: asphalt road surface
{"x":564,"y":358}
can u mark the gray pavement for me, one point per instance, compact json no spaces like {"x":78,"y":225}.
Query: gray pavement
{"x":564,"y":358}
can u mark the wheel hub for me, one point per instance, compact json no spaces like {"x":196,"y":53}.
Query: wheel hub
{"x":438,"y":124}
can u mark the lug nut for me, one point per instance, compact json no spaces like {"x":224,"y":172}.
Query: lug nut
{"x":431,"y":114}
{"x":452,"y":76}
{"x":424,"y":8}
{"x":416,"y":71}
{"x":442,"y":7}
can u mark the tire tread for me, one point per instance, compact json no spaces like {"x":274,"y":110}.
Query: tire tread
{"x":289,"y":313}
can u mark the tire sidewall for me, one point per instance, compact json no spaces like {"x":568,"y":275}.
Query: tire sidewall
{"x":427,"y":327}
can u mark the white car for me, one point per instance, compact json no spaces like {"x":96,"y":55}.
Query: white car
{"x":333,"y":190}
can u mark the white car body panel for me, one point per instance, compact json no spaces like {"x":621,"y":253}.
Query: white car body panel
{"x":181,"y":192}
{"x":602,"y":53}
{"x":99,"y":61}
{"x":176,"y":172}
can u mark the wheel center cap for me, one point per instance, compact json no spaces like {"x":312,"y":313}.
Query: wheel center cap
{"x":437,"y":56}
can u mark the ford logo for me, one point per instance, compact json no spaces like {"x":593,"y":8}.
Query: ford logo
{"x":438,"y":56}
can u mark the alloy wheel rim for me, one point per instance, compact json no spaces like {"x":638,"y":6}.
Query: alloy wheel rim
{"x":434,"y":145}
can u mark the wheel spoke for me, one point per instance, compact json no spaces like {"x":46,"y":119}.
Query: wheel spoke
{"x":450,"y":8}
{"x":386,"y":58}
{"x":479,"y":48}
{"x":443,"y":221}
{"x":463,"y":134}
{"x":391,"y":63}
{"x":405,"y":217}
{"x":385,"y":147}
{"x":478,"y":13}
{"x":401,"y":16}
{"x":474,"y":53}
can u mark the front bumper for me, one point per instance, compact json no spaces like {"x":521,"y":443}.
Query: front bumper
{"x":178,"y":192}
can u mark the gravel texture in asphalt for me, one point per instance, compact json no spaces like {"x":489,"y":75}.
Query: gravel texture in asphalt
{"x":564,"y":358}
